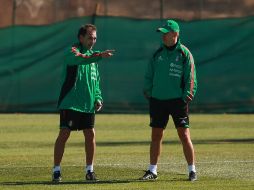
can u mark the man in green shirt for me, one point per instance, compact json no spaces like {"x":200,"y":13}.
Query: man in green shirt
{"x":80,"y":97}
{"x":170,"y":84}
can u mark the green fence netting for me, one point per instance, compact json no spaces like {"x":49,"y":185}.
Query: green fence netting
{"x":31,"y":63}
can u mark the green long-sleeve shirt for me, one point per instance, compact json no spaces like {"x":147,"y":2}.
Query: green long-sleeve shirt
{"x":171,"y":74}
{"x":81,"y":80}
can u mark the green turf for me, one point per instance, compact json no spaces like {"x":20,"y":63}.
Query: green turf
{"x":224,"y":147}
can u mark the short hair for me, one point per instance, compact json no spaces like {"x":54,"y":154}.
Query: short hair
{"x":83,"y":29}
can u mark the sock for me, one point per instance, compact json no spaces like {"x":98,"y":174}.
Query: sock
{"x":192,"y":168}
{"x":56,"y":168}
{"x":89,"y":167}
{"x":153,"y":169}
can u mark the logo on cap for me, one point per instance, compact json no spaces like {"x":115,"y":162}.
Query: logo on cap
{"x":170,"y":26}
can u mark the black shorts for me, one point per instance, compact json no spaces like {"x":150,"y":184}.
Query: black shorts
{"x":75,"y":120}
{"x":161,"y":109}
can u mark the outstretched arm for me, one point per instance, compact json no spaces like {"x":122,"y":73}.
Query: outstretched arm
{"x":75,"y":57}
{"x":107,"y":53}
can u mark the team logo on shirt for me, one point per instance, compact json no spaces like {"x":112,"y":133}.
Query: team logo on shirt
{"x":160,"y":58}
{"x":177,"y":58}
{"x":175,"y":70}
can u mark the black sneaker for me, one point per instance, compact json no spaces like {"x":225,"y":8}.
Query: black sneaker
{"x":149,"y":176}
{"x":56,"y":176}
{"x":91,"y":176}
{"x":192,"y":176}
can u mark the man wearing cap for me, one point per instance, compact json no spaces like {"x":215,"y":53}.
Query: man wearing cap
{"x":170,"y":84}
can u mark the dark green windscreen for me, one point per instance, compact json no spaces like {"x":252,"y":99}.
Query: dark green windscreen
{"x":31,"y":63}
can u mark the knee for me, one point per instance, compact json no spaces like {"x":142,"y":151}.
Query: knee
{"x":185,"y":138}
{"x":89,"y":134}
{"x":157,"y":137}
{"x":63,"y":135}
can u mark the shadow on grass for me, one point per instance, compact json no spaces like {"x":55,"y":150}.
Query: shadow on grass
{"x":64,"y":182}
{"x":21,"y":183}
{"x":134,"y":143}
{"x":129,"y":143}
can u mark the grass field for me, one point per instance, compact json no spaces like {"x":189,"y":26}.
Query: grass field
{"x":224,"y":146}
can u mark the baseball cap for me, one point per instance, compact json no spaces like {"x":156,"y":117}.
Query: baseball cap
{"x":170,"y":26}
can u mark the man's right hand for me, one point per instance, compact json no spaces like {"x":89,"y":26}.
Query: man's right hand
{"x":107,"y":53}
{"x":147,"y":96}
